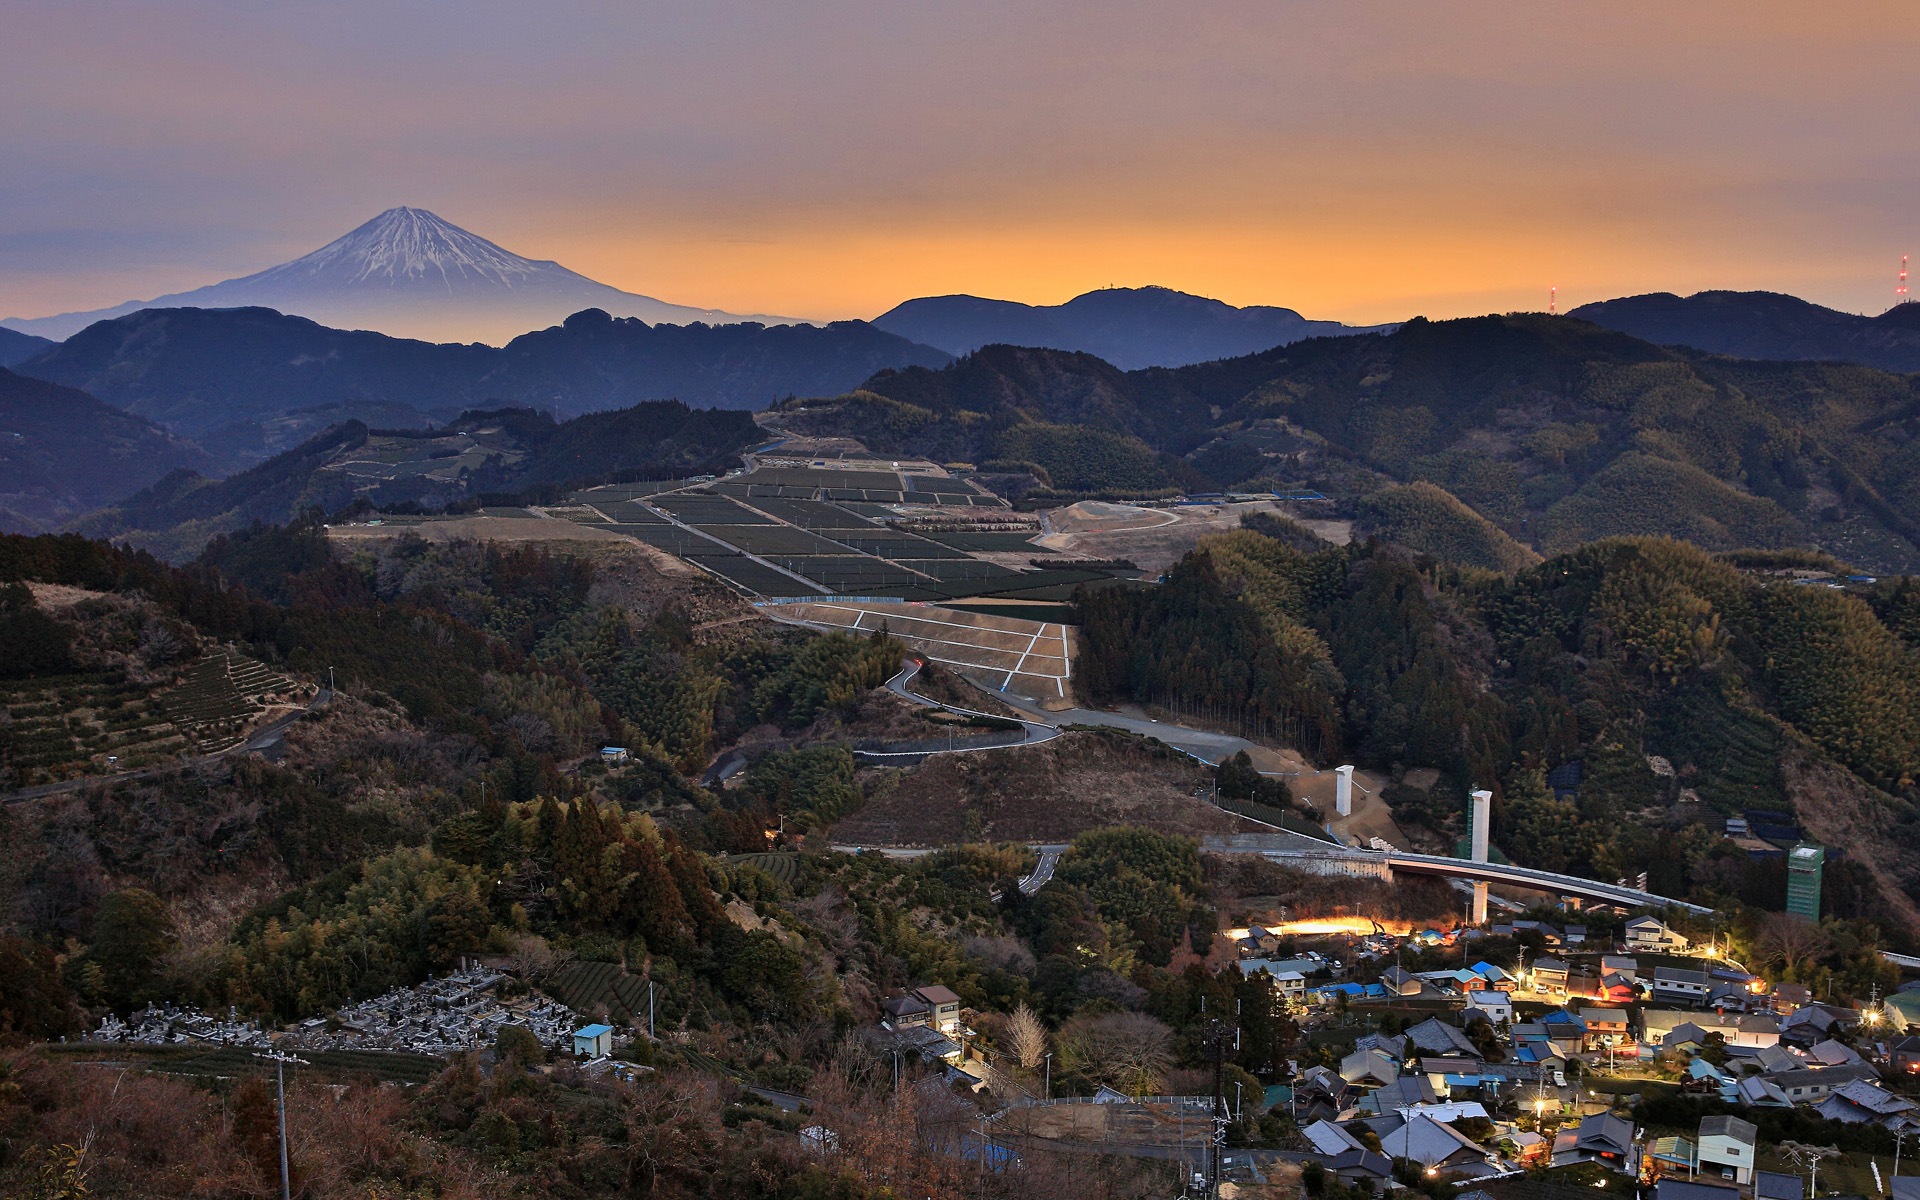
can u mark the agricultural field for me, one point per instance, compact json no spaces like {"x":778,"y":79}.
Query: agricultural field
{"x":222,"y":697}
{"x":62,"y":726}
{"x":595,"y":988}
{"x":208,"y":1062}
{"x":781,"y":867}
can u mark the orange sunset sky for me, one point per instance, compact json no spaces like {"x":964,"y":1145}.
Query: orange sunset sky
{"x":1354,"y":160}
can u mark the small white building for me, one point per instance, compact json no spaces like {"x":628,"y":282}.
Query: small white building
{"x":593,"y":1041}
{"x":1651,"y":934}
{"x":1727,"y":1146}
{"x":1497,"y":1006}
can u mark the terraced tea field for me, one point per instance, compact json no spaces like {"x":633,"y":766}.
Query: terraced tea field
{"x":70,"y":725}
{"x":222,"y":697}
{"x":101,"y":722}
{"x":601,"y":987}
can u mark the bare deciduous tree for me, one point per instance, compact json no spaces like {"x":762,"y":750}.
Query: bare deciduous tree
{"x":1128,"y":1051}
{"x":1026,"y":1037}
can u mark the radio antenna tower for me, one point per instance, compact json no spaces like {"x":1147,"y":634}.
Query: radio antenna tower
{"x":1900,"y":293}
{"x":1553,"y":297}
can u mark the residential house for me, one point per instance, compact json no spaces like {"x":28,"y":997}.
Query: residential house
{"x":1576,"y":935}
{"x":1650,"y":935}
{"x":1437,"y":1146}
{"x":1259,"y":942}
{"x":1816,"y":1022}
{"x":1810,"y":1085}
{"x":1327,"y":1138}
{"x":1495,"y":1006}
{"x":1778,"y":1185}
{"x":1727,"y":1145}
{"x":1291,"y":985}
{"x":932,"y":1005}
{"x":1777,"y":1058}
{"x":613,"y":756}
{"x":1616,"y":988}
{"x":1903,"y":1187}
{"x":593,"y":1041}
{"x":1903,"y":1054}
{"x":1862,"y":1102}
{"x":1390,"y":1043}
{"x":1405,"y":1091}
{"x":1679,"y":985}
{"x":1602,"y":1138}
{"x":1530,"y":1149}
{"x":1833,"y":1054}
{"x":1757,"y":1091}
{"x":1437,"y":1037}
{"x":1567,"y":1031}
{"x":1401,"y":982}
{"x":1583,"y":985}
{"x":1550,"y":975}
{"x":1369,"y":1068}
{"x":1358,"y":1166}
{"x":1616,"y":964}
{"x":1604,"y":1023}
{"x":1497,"y":978}
{"x":1790,"y":996}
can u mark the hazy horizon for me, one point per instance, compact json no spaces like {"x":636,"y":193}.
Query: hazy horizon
{"x":1363,"y":163}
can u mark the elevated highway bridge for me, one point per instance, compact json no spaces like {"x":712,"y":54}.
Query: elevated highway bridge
{"x":1285,"y":847}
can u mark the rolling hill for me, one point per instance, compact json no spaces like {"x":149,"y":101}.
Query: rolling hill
{"x":62,"y":453}
{"x":1554,"y":429}
{"x":1765,"y":325}
{"x":251,"y":382}
{"x":1128,"y":327}
{"x":483,"y":451}
{"x":16,"y":347}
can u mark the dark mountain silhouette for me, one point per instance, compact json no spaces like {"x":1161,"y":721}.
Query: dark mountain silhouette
{"x":1555,"y":429}
{"x":516,"y":449}
{"x":16,"y":347}
{"x":249,"y":382}
{"x":410,"y":273}
{"x":62,"y":452}
{"x":1129,"y":327}
{"x":1765,"y":325}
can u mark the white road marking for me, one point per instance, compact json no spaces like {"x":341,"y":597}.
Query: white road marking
{"x":1023,"y":655}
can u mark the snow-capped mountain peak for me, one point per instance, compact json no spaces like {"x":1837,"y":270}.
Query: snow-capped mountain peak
{"x":404,"y":246}
{"x":412,"y":273}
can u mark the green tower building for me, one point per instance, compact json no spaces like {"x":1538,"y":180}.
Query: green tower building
{"x":1804,"y":862}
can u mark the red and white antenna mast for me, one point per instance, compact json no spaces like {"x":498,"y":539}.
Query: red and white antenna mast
{"x":1900,"y":293}
{"x":1553,"y":298}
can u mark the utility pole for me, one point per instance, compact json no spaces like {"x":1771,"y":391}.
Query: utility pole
{"x":650,"y":1033}
{"x":1217,"y":1035}
{"x":280,"y":1062}
{"x":1049,"y":1085}
{"x":1899,"y":1139}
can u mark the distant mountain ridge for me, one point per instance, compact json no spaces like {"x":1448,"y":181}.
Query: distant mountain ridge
{"x":410,"y":273}
{"x":238,"y":380}
{"x":1128,"y":327}
{"x":63,"y":452}
{"x":1765,"y":325}
{"x":16,"y":347}
{"x":507,"y":450}
{"x":1554,"y":429}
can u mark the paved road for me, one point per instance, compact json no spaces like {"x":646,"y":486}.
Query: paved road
{"x":1037,"y":730}
{"x":261,"y":738}
{"x":1042,"y":870}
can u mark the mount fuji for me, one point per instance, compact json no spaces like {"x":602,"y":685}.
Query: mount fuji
{"x":410,"y":273}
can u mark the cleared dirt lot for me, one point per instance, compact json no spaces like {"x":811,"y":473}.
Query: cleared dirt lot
{"x":1028,"y":658}
{"x":1156,"y":538}
{"x":1045,"y":793}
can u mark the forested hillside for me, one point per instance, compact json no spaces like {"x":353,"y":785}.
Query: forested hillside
{"x":64,"y":453}
{"x":1556,"y":431}
{"x":506,"y":452}
{"x":1760,"y":692}
{"x":232,"y":378}
{"x":449,"y":802}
